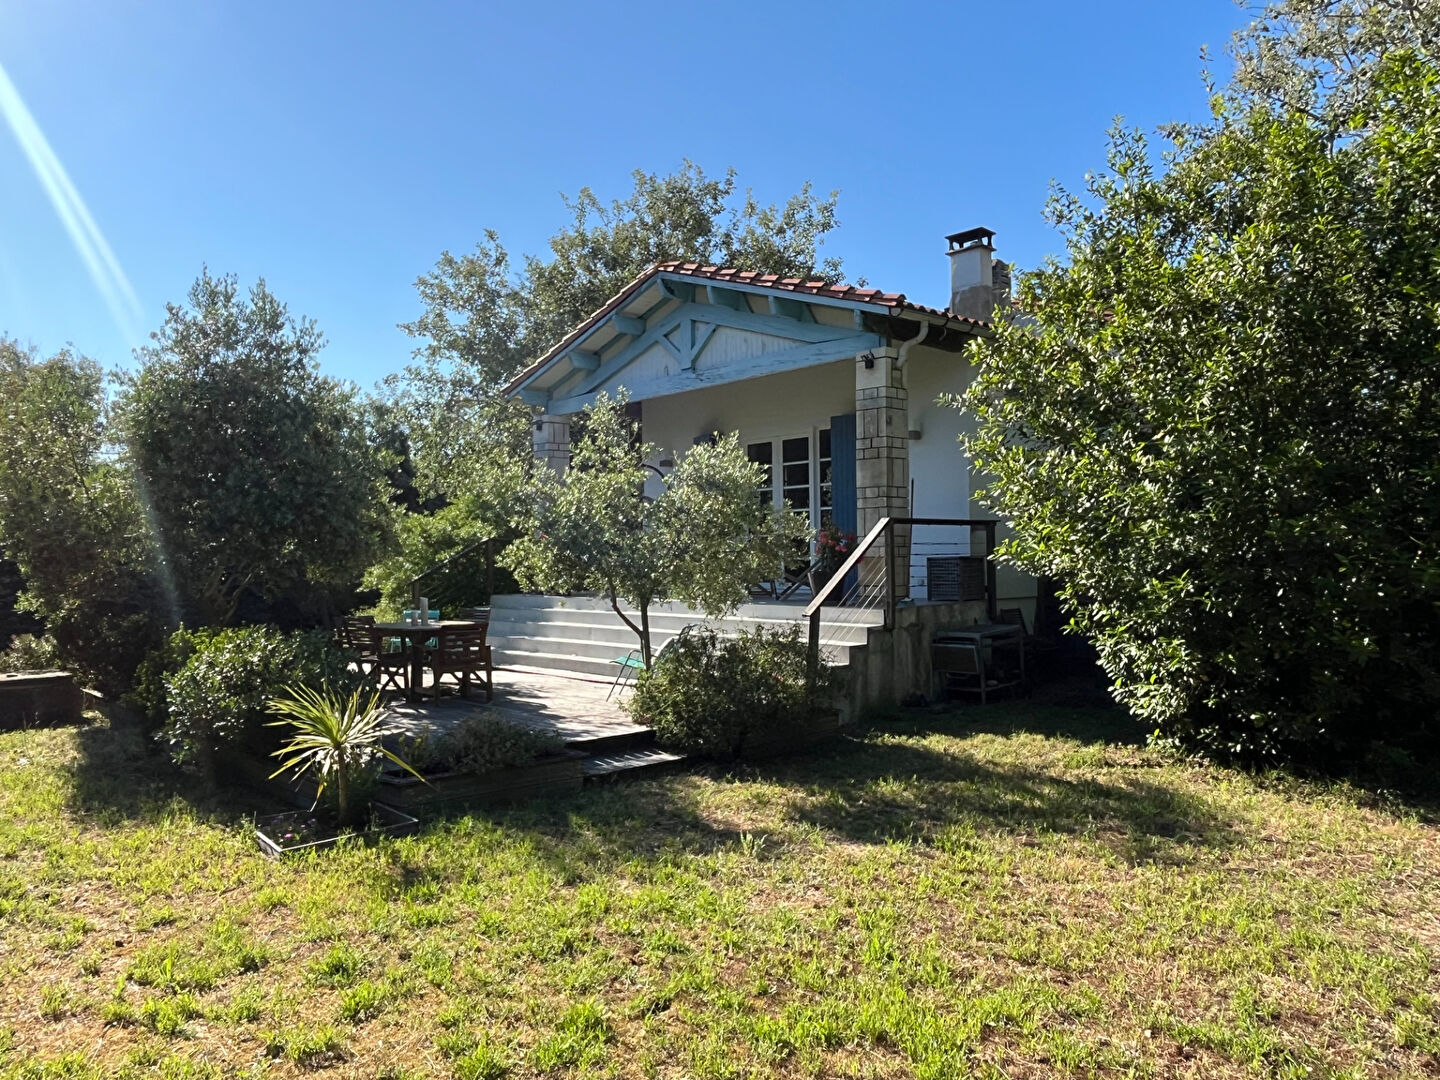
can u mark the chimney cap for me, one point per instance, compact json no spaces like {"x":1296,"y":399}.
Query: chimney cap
{"x":968,"y":237}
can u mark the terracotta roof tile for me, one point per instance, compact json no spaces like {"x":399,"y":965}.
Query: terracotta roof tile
{"x":802,"y":286}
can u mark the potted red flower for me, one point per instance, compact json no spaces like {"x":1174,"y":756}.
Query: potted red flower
{"x":833,"y":545}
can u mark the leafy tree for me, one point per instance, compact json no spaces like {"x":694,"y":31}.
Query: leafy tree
{"x":702,"y":540}
{"x":483,"y":319}
{"x":1219,"y":429}
{"x":70,"y":519}
{"x":1320,"y":57}
{"x":258,"y":472}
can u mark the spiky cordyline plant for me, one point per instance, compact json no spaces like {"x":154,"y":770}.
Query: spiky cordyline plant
{"x":333,"y":735}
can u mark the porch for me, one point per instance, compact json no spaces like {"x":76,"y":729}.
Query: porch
{"x":577,"y":709}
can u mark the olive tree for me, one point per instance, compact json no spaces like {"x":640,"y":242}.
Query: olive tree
{"x":702,"y":540}
{"x":259,"y":474}
{"x":70,"y":518}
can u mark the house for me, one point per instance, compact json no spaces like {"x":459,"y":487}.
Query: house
{"x":833,"y":388}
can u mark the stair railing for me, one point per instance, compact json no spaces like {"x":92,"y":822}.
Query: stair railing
{"x":489,"y":545}
{"x":884,"y":530}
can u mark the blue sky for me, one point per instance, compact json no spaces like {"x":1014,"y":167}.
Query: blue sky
{"x":337,"y":148}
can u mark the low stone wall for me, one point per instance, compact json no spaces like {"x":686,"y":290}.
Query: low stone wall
{"x":894,"y":664}
{"x":40,"y":699}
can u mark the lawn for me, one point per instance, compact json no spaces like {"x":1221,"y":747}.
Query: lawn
{"x":1015,"y":891}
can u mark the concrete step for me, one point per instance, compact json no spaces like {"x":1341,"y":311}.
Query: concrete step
{"x":629,"y":765}
{"x":551,"y":662}
{"x":565,"y":624}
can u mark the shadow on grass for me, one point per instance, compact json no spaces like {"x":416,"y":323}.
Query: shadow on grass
{"x":121,"y":773}
{"x":876,"y":790}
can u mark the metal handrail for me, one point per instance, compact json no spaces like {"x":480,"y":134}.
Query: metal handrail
{"x":885,"y":527}
{"x":488,"y":543}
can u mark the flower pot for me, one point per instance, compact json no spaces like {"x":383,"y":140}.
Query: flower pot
{"x":818,"y":580}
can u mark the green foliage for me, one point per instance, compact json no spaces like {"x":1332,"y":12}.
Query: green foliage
{"x":708,"y":692}
{"x":423,"y":542}
{"x":259,"y":474}
{"x":29,"y":652}
{"x":702,"y":540}
{"x":483,"y":320}
{"x":332,"y":737}
{"x":220,"y":691}
{"x":1218,"y":430}
{"x":70,"y":519}
{"x":1321,"y":57}
{"x":481,"y":743}
{"x":148,"y":694}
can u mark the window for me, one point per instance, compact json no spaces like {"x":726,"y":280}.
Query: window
{"x":763,"y":453}
{"x":826,"y":485}
{"x":795,"y":466}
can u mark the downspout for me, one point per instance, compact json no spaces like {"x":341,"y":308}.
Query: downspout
{"x":916,"y":340}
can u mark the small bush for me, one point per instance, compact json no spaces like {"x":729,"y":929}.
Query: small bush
{"x":148,"y":695}
{"x":218,"y":696}
{"x":706,"y":693}
{"x":29,"y":652}
{"x":481,"y":743}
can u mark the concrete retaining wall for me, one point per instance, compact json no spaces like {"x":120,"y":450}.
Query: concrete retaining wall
{"x":39,"y":699}
{"x":894,"y":664}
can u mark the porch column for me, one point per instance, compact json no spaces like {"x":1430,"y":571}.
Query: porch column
{"x":552,"y":441}
{"x":882,"y":461}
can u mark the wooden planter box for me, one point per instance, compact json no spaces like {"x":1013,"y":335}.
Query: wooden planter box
{"x":386,"y":821}
{"x":559,"y":774}
{"x":39,"y":699}
{"x":792,"y":738}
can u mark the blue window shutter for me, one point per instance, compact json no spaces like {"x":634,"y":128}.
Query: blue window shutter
{"x":842,"y":480}
{"x":842,"y":471}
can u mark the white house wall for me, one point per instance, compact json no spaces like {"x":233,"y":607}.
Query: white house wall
{"x":786,"y":403}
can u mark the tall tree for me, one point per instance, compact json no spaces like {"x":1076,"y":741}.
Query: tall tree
{"x":484,"y":319}
{"x":1320,"y":57}
{"x":1219,"y":428}
{"x":70,"y":519}
{"x":258,"y":472}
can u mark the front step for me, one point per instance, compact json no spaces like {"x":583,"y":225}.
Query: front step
{"x":619,"y":741}
{"x":629,"y":765}
{"x":581,"y":636}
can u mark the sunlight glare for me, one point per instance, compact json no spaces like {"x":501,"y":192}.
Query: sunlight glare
{"x":104,"y":268}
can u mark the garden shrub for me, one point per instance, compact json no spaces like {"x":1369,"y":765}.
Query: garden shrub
{"x":706,"y":692}
{"x":218,"y":696}
{"x":30,"y":652}
{"x":482,"y":743}
{"x":148,"y":695}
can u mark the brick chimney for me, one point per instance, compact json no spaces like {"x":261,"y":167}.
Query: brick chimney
{"x":973,"y":274}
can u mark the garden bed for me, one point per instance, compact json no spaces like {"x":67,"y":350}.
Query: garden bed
{"x":299,"y":831}
{"x":553,"y":775}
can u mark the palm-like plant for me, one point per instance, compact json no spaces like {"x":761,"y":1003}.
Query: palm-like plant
{"x":333,"y":737}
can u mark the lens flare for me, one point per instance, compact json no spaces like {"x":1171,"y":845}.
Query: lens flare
{"x":90,"y":244}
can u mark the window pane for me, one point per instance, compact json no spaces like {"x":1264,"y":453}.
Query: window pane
{"x":796,"y":449}
{"x":798,"y":497}
{"x":825,"y":444}
{"x":797,"y":475}
{"x":763,"y":452}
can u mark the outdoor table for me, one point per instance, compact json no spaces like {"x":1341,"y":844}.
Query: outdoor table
{"x":414,"y":636}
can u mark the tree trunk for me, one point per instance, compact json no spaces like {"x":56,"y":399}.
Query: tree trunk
{"x":342,"y":791}
{"x":645,"y":633}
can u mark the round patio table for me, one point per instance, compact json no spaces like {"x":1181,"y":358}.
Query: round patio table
{"x":414,"y":636}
